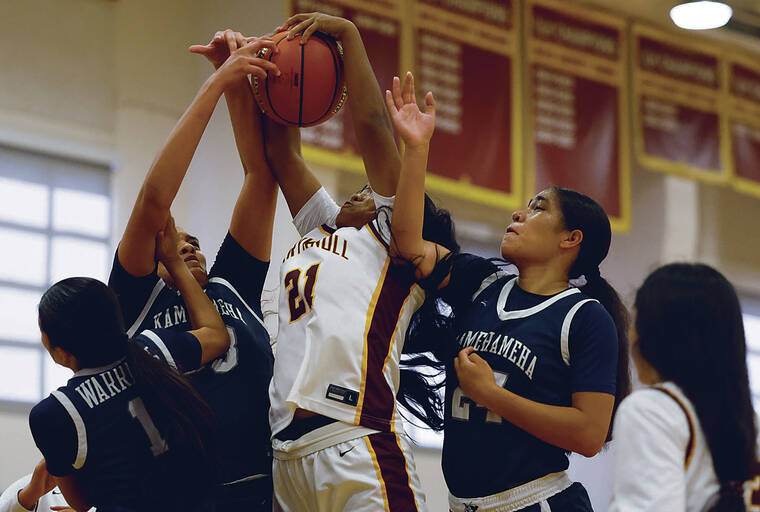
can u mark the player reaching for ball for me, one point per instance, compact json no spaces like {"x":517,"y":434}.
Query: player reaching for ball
{"x":541,"y":363}
{"x":235,"y":385}
{"x":344,"y":308}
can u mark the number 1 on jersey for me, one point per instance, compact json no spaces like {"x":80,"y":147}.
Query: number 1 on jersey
{"x":297,"y":303}
{"x":138,"y":411}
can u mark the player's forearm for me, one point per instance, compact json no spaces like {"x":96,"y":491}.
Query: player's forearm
{"x":409,"y":205}
{"x":199,"y":307}
{"x":566,"y":427}
{"x":372,"y":124}
{"x":171,"y":164}
{"x":246,"y":126}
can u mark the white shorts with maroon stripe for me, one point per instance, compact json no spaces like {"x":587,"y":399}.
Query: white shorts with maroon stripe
{"x":365,"y":471}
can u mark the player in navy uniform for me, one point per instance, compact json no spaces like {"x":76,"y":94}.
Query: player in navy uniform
{"x":128,"y":432}
{"x":235,"y":385}
{"x":541,"y":363}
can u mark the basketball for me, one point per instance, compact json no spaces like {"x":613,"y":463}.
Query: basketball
{"x":311,"y":88}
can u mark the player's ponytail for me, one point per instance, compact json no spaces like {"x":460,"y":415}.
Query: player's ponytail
{"x":690,"y":330}
{"x":82,"y":316}
{"x":583,"y":213}
{"x":429,"y":337}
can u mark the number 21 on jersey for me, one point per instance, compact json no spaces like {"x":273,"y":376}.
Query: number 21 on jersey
{"x":460,"y":403}
{"x":300,"y":303}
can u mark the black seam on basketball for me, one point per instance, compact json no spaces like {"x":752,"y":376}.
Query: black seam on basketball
{"x":335,"y":69}
{"x":300,"y":100}
{"x":269,"y":98}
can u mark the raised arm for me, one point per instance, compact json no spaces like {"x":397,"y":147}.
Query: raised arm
{"x":208,"y":326}
{"x":283,"y":152}
{"x":415,"y":128}
{"x":253,"y":217}
{"x":137,"y":247}
{"x":372,"y":124}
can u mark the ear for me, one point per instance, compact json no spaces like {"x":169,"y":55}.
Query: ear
{"x":64,"y":357}
{"x":572,"y":239}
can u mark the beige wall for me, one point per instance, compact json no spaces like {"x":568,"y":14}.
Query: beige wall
{"x":108,"y":83}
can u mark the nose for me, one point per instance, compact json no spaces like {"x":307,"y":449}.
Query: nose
{"x":187,"y":248}
{"x":517,"y":215}
{"x":356,"y":197}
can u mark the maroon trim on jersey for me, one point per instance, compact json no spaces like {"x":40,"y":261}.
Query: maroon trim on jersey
{"x":376,"y":233}
{"x":328,"y":228}
{"x":690,"y":444}
{"x":379,"y":400}
{"x":392,"y":465}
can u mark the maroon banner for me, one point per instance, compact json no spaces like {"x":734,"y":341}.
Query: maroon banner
{"x":746,"y":151}
{"x":381,"y":37}
{"x":744,"y":87}
{"x":493,"y":12}
{"x":472,"y":87}
{"x":680,"y":134}
{"x":678,"y":63}
{"x":576,"y":65}
{"x":569,"y":32}
{"x":577,"y":140}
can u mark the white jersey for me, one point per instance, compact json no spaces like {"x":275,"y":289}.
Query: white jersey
{"x":343,"y":314}
{"x":662,"y":461}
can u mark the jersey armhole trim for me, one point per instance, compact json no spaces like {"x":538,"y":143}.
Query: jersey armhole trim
{"x":224,"y":282}
{"x":565,"y":333}
{"x":488,"y":281}
{"x":690,"y":444}
{"x":376,"y":234}
{"x":162,"y":347}
{"x":78,"y":424}
{"x":151,"y":299}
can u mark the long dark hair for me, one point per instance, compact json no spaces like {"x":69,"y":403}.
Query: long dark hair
{"x":82,"y":316}
{"x":690,"y":330}
{"x":422,"y":370}
{"x":583,"y":213}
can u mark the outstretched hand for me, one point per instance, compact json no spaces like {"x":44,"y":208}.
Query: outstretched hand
{"x":308,"y":23}
{"x":221,"y":46}
{"x":244,"y":62}
{"x":415,"y":127}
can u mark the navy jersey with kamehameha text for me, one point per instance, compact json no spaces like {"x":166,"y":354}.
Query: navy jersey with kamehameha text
{"x":236,"y":384}
{"x":543,"y":348}
{"x":97,"y":425}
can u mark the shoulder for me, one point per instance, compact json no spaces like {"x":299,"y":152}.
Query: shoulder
{"x":48,"y":410}
{"x":587,"y":317}
{"x":651,"y":410}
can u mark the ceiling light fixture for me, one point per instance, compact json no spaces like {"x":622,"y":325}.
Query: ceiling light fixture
{"x":701,"y":15}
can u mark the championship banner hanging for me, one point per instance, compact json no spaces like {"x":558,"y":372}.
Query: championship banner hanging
{"x":466,"y":53}
{"x":577,"y":126}
{"x":677,"y":98}
{"x":744,"y":122}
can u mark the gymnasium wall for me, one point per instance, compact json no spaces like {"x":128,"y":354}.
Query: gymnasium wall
{"x":106,"y":80}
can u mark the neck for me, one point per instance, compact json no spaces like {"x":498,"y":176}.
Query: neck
{"x":542,"y":279}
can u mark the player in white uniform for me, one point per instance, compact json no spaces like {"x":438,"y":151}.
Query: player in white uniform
{"x":344,"y":307}
{"x":36,"y":491}
{"x":687,"y":442}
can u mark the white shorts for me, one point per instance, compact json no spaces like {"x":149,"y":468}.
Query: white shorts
{"x":370,"y":473}
{"x":535,"y":492}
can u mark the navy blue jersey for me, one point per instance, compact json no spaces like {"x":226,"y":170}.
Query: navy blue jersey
{"x":543,"y":348}
{"x":97,"y":425}
{"x":236,"y":384}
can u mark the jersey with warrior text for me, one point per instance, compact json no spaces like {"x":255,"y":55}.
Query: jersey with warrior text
{"x":97,"y":425}
{"x":543,"y":348}
{"x":343,"y":314}
{"x":235,"y":384}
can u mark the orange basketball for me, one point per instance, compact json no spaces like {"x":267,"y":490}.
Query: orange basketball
{"x":311,"y":88}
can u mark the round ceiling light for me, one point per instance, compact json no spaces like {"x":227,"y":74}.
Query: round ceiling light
{"x":701,"y":15}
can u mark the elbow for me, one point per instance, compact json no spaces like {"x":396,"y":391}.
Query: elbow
{"x":589,"y":445}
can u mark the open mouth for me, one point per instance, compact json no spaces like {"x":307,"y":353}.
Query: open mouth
{"x":510,"y":230}
{"x":192,"y":258}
